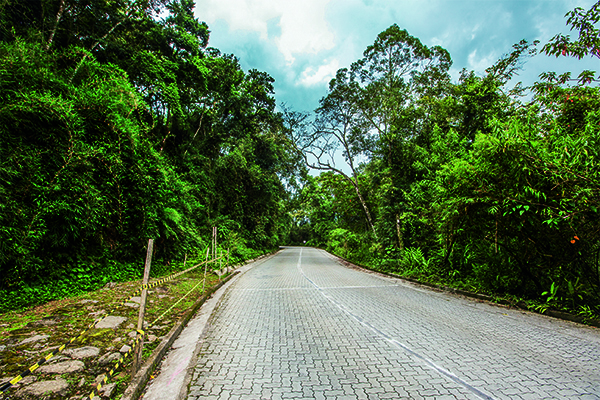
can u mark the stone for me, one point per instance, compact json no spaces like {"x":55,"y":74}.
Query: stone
{"x":97,"y":313}
{"x":34,"y":339}
{"x":81,"y":382}
{"x":132,"y":334}
{"x":25,"y":381}
{"x":64,"y":367}
{"x":43,"y":322}
{"x":132,"y":305}
{"x":11,"y":341}
{"x":125,"y":349}
{"x":2,"y":348}
{"x":111,"y":322}
{"x":152,"y":338}
{"x":83,"y":352}
{"x":109,"y":358}
{"x":99,"y":379}
{"x":137,"y":299}
{"x":107,"y":390}
{"x":58,"y":386}
{"x":88,"y":301}
{"x":57,"y":358}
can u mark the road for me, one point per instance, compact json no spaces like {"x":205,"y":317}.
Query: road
{"x":301,"y":325}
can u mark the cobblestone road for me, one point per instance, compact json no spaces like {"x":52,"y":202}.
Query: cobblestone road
{"x":301,"y":325}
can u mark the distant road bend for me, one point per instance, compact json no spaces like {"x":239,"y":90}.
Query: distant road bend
{"x":300,"y":325}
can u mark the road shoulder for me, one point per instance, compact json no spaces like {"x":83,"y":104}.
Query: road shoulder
{"x":173,"y":376}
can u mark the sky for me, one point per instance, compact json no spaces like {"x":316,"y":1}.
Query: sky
{"x":302,"y":43}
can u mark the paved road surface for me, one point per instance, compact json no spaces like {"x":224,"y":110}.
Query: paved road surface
{"x":301,"y":325}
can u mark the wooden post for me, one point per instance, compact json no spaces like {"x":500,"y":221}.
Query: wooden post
{"x":215,"y":246}
{"x":205,"y":264}
{"x":137,"y":357}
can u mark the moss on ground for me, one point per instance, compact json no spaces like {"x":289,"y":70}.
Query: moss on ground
{"x":63,"y":319}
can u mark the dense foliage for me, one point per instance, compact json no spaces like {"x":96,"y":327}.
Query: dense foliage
{"x":119,"y":124}
{"x":480,"y":183}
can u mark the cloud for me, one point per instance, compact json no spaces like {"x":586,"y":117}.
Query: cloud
{"x":303,"y":28}
{"x":323,"y":74}
{"x":249,"y":15}
{"x":480,"y":63}
{"x":302,"y":43}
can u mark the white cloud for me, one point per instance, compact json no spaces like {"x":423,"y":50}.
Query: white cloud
{"x":310,"y":77}
{"x":251,"y":15}
{"x":480,"y":63}
{"x":304,"y":29}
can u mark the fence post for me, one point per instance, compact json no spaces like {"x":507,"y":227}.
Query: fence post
{"x":137,"y":358}
{"x":214,"y":243}
{"x":205,"y":265}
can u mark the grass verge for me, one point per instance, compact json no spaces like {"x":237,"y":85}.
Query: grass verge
{"x":58,"y":321}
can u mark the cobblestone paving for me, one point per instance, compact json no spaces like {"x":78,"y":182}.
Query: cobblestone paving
{"x":302,"y":326}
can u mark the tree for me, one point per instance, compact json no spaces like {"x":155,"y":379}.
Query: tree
{"x":588,"y":42}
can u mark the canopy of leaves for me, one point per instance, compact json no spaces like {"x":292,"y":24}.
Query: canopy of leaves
{"x":464,"y":182}
{"x":118,"y":124}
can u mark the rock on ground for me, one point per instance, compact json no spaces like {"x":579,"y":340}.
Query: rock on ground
{"x":57,"y":386}
{"x":111,"y":322}
{"x":33,"y":339}
{"x":63,"y":367}
{"x":107,"y":390}
{"x":108,"y":358}
{"x":83,"y":352}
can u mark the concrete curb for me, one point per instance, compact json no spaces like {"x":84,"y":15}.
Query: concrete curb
{"x":139,"y":381}
{"x":184,"y":390}
{"x":521,"y":305}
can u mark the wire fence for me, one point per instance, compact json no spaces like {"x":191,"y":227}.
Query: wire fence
{"x":211,"y":259}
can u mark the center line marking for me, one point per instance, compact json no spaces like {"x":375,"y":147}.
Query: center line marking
{"x":396,"y":343}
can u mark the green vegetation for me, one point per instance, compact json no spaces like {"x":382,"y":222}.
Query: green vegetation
{"x":481,"y":184}
{"x":119,"y":124}
{"x":63,"y":319}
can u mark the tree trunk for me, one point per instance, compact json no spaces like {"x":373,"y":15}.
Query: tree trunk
{"x":61,"y":9}
{"x":365,"y":207}
{"x":399,"y":229}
